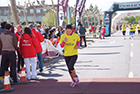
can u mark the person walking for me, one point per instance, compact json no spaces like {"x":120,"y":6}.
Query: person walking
{"x":82,"y":32}
{"x":123,"y":30}
{"x":100,"y":31}
{"x":103,"y":32}
{"x":39,"y":37}
{"x":27,"y":46}
{"x":8,"y":43}
{"x":70,"y":41}
{"x":20,"y":59}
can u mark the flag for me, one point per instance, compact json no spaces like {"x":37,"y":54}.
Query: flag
{"x":78,"y":10}
{"x":62,"y":6}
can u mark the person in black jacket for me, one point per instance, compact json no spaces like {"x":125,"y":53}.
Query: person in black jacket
{"x":82,"y":32}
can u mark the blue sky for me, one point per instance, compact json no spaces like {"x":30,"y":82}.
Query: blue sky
{"x":102,"y":4}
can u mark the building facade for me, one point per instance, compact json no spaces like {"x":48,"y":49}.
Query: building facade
{"x":32,"y":14}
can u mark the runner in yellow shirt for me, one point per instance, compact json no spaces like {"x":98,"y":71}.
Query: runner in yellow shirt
{"x":131,"y":27}
{"x":138,"y":26}
{"x":70,"y":41}
{"x":134,"y":29}
{"x":123,"y":30}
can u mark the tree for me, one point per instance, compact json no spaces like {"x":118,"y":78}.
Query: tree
{"x":50,"y":8}
{"x":66,"y":20}
{"x":48,"y":19}
{"x":137,"y":18}
{"x":14,"y":12}
{"x":132,"y":19}
{"x":73,"y":20}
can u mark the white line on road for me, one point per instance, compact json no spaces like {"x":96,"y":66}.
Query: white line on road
{"x":131,"y":54}
{"x":131,"y":75}
{"x":112,"y":42}
{"x":131,"y":44}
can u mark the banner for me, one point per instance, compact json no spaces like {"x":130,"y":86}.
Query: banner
{"x":78,"y":10}
{"x":62,"y":6}
{"x":118,"y":7}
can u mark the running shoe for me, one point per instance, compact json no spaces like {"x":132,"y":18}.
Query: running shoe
{"x":73,"y":84}
{"x":76,"y":80}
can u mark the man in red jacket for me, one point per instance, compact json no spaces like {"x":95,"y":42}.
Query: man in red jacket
{"x":39,"y":37}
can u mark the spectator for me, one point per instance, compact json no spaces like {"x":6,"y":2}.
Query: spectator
{"x":91,"y":29}
{"x":103,"y":32}
{"x":46,"y":33}
{"x":117,"y":27}
{"x":63,"y":31}
{"x":39,"y":38}
{"x":1,"y":31}
{"x":100,"y":31}
{"x":52,"y":33}
{"x":27,"y":46}
{"x":73,"y":28}
{"x":8,"y":43}
{"x":59,"y":31}
{"x":13,"y":29}
{"x":20,"y":59}
{"x":2,"y":27}
{"x":38,"y":27}
{"x":82,"y":32}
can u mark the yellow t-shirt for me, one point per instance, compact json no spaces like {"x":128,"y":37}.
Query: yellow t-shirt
{"x":69,"y":48}
{"x":131,"y":28}
{"x":138,"y":26}
{"x":123,"y":28}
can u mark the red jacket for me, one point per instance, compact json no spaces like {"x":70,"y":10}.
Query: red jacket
{"x":92,"y":28}
{"x":39,"y":37}
{"x":27,"y":46}
{"x":103,"y":30}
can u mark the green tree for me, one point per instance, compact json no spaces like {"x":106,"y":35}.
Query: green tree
{"x":137,"y":18}
{"x":132,"y":19}
{"x":48,"y":19}
{"x":73,"y":20}
{"x":66,"y":20}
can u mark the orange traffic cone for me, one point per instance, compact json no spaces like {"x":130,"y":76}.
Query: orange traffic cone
{"x":6,"y":86}
{"x":23,"y":79}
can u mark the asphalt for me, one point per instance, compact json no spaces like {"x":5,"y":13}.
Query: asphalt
{"x":109,"y":66}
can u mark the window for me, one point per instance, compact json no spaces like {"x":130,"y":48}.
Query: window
{"x":38,"y":11}
{"x":5,"y":12}
{"x":31,"y":11}
{"x":26,"y":11}
{"x":44,"y":11}
{"x":19,"y":11}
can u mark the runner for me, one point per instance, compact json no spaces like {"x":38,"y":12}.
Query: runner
{"x":131,"y":31}
{"x":123,"y":30}
{"x":70,"y":41}
{"x":134,"y":29}
{"x":138,"y":26}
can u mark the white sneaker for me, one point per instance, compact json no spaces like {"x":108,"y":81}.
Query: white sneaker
{"x":72,"y":84}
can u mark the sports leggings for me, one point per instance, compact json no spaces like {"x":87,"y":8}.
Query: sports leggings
{"x":70,"y":61}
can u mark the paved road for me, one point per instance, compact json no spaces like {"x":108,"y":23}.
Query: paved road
{"x":110,"y":66}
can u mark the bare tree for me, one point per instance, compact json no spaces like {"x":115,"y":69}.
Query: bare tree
{"x":50,"y":8}
{"x":34,"y":14}
{"x":23,"y":8}
{"x":14,"y":12}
